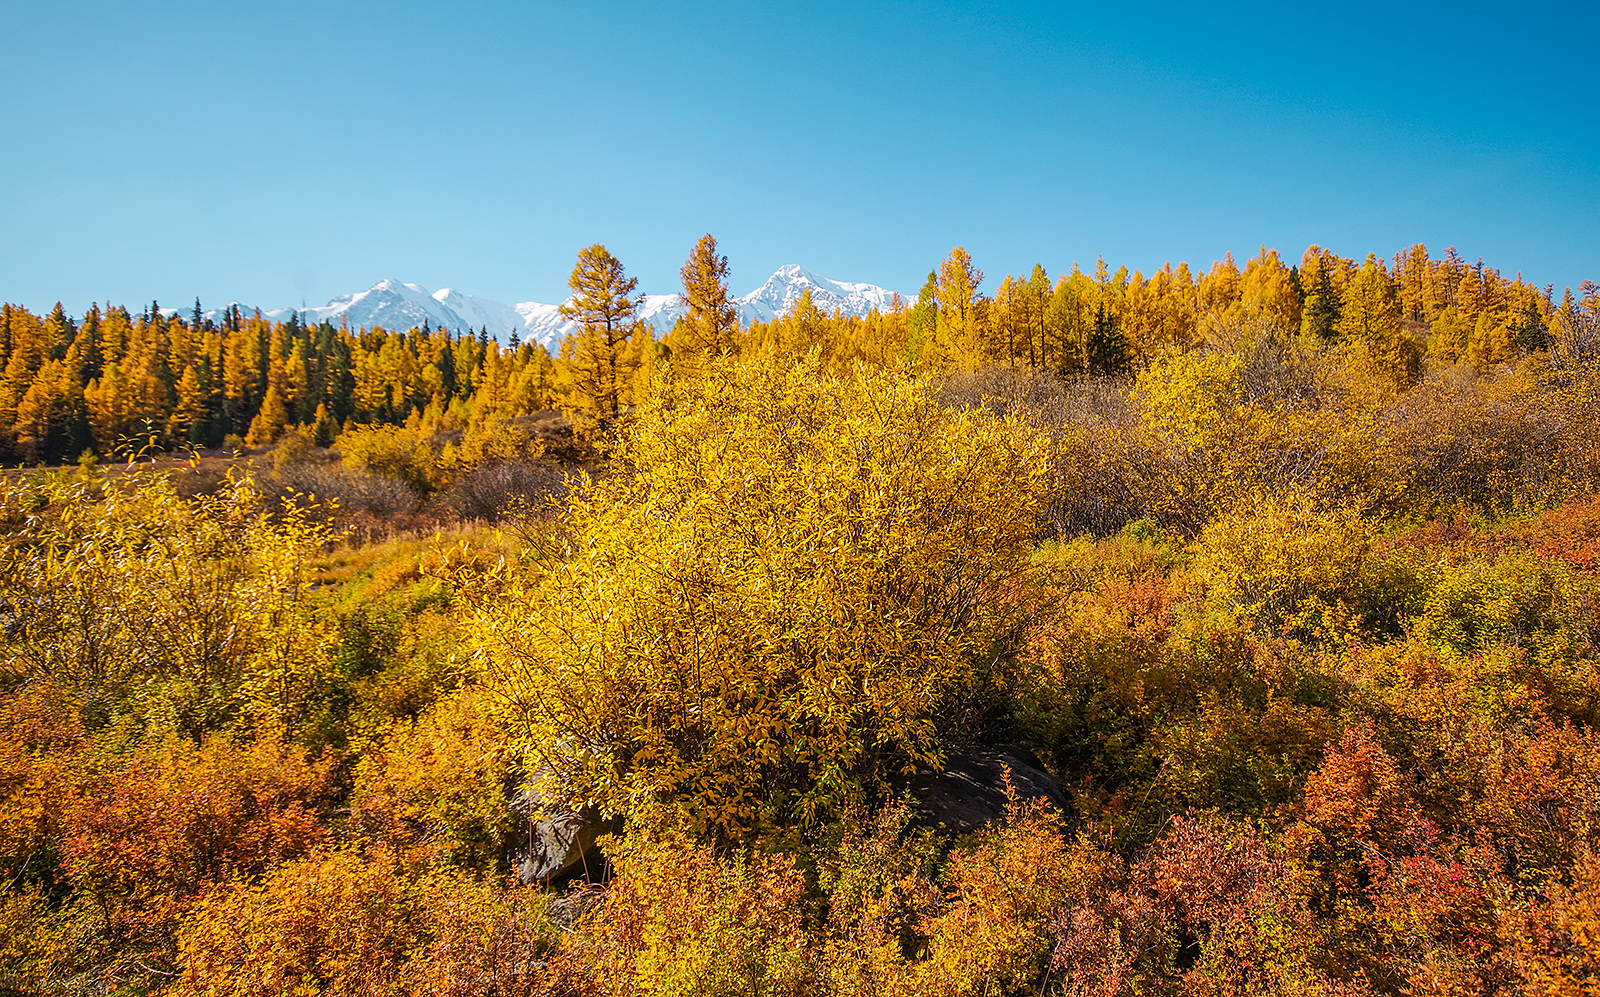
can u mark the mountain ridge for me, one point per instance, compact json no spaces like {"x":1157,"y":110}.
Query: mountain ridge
{"x":395,"y":304}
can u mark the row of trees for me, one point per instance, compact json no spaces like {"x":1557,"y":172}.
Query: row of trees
{"x":67,"y":384}
{"x":1399,"y":314}
{"x":112,"y":376}
{"x":1107,"y":322}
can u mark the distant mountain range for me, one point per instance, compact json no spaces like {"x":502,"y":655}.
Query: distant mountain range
{"x":395,"y":305}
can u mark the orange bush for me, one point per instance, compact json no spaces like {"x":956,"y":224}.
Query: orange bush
{"x":40,"y":736}
{"x":145,"y":835}
{"x":334,"y":924}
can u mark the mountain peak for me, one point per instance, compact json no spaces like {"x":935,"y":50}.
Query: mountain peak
{"x":784,"y":288}
{"x":396,"y":304}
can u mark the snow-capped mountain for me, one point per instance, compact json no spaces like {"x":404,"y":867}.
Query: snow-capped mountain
{"x":784,"y":288}
{"x":395,"y":305}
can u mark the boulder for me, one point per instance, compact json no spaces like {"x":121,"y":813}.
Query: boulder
{"x":971,"y":790}
{"x":550,"y":849}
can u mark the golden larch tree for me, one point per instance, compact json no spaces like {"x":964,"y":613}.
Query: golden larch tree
{"x":1370,"y":315}
{"x":597,"y":361}
{"x":958,"y":337}
{"x":711,"y":325}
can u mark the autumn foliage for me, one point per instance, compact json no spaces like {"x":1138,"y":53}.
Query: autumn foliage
{"x":1287,"y":574}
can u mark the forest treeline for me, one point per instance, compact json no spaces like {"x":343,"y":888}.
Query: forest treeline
{"x":1290,"y":576}
{"x":112,"y":376}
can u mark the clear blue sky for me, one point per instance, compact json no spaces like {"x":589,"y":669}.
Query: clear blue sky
{"x":274,"y":152}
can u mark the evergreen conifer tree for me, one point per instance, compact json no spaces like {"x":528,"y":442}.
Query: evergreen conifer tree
{"x":1320,"y":313}
{"x":1108,"y":349}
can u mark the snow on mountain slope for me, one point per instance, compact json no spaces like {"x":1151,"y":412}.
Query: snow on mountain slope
{"x":388,"y":303}
{"x":393,"y":304}
{"x":396,"y":305}
{"x":541,"y":323}
{"x":784,"y":288}
{"x":477,"y":313}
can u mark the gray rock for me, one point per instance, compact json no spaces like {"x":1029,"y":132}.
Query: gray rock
{"x":971,"y":790}
{"x":549,"y":849}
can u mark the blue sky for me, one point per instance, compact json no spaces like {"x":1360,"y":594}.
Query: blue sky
{"x":287,"y":151}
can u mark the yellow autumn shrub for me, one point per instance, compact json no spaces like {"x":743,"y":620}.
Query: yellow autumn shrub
{"x":438,"y":784}
{"x":1285,"y":558}
{"x":677,"y":922}
{"x":1275,"y":415}
{"x":790,"y":578}
{"x":348,"y":923}
{"x":186,"y":611}
{"x":400,"y":452}
{"x":992,"y":934}
{"x":330,"y":924}
{"x":420,"y":459}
